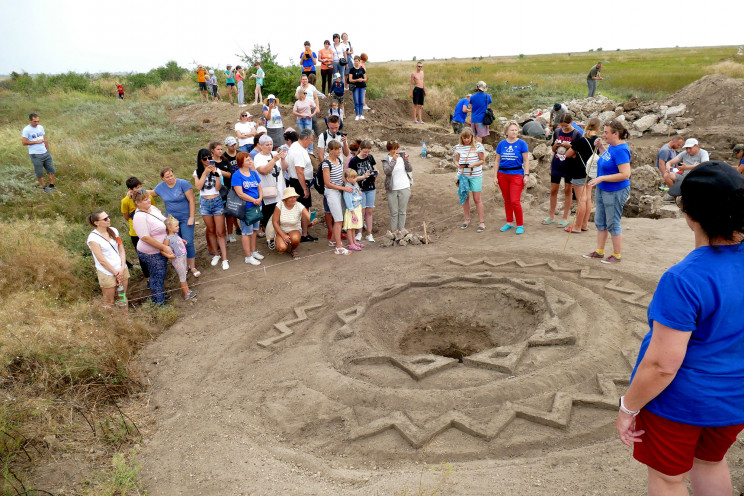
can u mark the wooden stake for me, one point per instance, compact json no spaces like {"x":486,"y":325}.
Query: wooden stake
{"x":426,"y":236}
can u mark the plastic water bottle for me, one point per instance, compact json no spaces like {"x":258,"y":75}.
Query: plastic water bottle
{"x":423,"y":149}
{"x":121,"y":296}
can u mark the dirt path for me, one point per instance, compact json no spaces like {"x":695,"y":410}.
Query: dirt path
{"x":316,"y":376}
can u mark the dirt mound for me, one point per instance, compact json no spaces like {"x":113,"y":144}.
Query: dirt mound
{"x":712,"y":99}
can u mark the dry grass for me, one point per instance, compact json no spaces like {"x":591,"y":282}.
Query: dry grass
{"x":728,"y":68}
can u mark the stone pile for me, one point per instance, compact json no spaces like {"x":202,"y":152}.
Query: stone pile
{"x":638,"y":117}
{"x":401,"y":238}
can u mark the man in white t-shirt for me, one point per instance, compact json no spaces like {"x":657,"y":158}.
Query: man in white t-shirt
{"x":332,"y":134}
{"x":34,"y":137}
{"x":301,"y":173}
{"x":245,"y":130}
{"x":682,"y":164}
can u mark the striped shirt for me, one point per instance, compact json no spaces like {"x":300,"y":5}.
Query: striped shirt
{"x":469,"y":155}
{"x":290,"y":220}
{"x":336,"y":171}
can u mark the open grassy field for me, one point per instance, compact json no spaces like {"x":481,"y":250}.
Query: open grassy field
{"x":647,"y":74}
{"x":58,"y":351}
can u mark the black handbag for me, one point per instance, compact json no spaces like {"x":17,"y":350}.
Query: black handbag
{"x":253,"y":214}
{"x":342,"y":61}
{"x":489,"y":117}
{"x":234,"y":205}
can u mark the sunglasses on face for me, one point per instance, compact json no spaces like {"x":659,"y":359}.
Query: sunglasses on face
{"x":206,"y":157}
{"x":107,"y":218}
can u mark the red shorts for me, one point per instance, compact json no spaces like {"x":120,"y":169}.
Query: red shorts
{"x":670,"y":447}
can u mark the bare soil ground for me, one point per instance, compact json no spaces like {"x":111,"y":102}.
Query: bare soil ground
{"x":478,"y":364}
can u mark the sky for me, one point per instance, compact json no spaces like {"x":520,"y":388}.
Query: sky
{"x":54,"y":36}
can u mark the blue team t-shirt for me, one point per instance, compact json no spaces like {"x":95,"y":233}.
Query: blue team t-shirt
{"x":702,"y":295}
{"x":176,"y":203}
{"x":307,"y":63}
{"x":248,"y":183}
{"x":479,"y":102}
{"x":608,"y":164}
{"x":512,"y":161}
{"x":459,"y":115}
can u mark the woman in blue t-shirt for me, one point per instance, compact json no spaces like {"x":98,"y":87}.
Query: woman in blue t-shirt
{"x":613,"y":189}
{"x":180,"y":202}
{"x":685,"y":404}
{"x":512,"y":168}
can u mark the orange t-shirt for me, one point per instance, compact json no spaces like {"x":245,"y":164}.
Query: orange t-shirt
{"x":326,"y":54}
{"x":200,"y":76}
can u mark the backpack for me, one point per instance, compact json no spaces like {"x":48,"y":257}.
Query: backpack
{"x":489,"y":117}
{"x":319,"y":181}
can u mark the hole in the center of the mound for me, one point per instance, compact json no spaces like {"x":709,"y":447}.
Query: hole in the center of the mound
{"x":447,"y":336}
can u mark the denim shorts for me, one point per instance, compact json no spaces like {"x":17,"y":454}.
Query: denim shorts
{"x":368,"y":198}
{"x":475,"y":182}
{"x":610,"y":209}
{"x":211,"y":206}
{"x":247,"y":229}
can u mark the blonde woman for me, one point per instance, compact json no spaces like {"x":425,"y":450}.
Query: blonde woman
{"x":584,"y":148}
{"x":469,"y":159}
{"x":512,"y":167}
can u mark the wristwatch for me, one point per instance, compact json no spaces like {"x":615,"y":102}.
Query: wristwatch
{"x":625,"y":410}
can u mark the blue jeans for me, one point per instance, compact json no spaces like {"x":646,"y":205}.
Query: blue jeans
{"x":158,"y":266}
{"x":359,"y":100}
{"x":610,"y":209}
{"x":187,"y":234}
{"x":305,"y":123}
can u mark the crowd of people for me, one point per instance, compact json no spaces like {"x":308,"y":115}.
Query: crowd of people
{"x":683,"y":409}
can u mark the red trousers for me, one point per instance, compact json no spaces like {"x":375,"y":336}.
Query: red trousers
{"x":511,"y":189}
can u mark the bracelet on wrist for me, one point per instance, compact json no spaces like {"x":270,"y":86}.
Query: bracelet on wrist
{"x":625,"y":410}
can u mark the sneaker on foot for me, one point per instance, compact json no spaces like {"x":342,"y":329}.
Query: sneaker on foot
{"x":612,"y":259}
{"x":358,"y":236}
{"x":356,"y":118}
{"x":370,"y":238}
{"x":366,"y":108}
{"x":231,"y":238}
{"x":361,"y":117}
{"x":272,"y":245}
{"x":252,"y":261}
{"x":261,"y":234}
{"x":215,"y":260}
{"x":593,"y":254}
{"x":190,"y":296}
{"x":257,"y":255}
{"x":225,"y":265}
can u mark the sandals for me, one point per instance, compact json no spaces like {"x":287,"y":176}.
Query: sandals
{"x":547,"y":221}
{"x":355,"y":247}
{"x":570,"y":230}
{"x":295,"y":256}
{"x":562,"y":224}
{"x":195,"y":272}
{"x":465,"y":224}
{"x":341,"y":251}
{"x":481,"y":228}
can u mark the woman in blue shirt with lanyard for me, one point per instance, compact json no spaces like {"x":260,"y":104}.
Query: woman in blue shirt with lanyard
{"x":512,"y":168}
{"x":613,"y":189}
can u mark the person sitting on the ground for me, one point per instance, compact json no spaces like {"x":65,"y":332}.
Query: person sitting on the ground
{"x":684,"y":163}
{"x":288,"y":224}
{"x":534,"y":128}
{"x":667,"y":153}
{"x":462,"y":109}
{"x":738,"y":152}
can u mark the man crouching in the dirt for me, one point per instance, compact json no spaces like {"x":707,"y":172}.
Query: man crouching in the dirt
{"x":682,"y":164}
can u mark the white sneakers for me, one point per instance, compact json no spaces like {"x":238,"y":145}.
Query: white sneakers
{"x":370,"y":238}
{"x":361,"y":117}
{"x":252,"y":261}
{"x":225,"y":265}
{"x":231,"y":238}
{"x":358,"y":236}
{"x":257,"y":255}
{"x":356,"y":118}
{"x":215,"y":260}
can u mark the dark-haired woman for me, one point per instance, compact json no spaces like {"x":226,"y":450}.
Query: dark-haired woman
{"x":584,"y":169}
{"x":208,"y":180}
{"x":613,"y":189}
{"x":685,"y":404}
{"x":149,"y":224}
{"x":108,"y":254}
